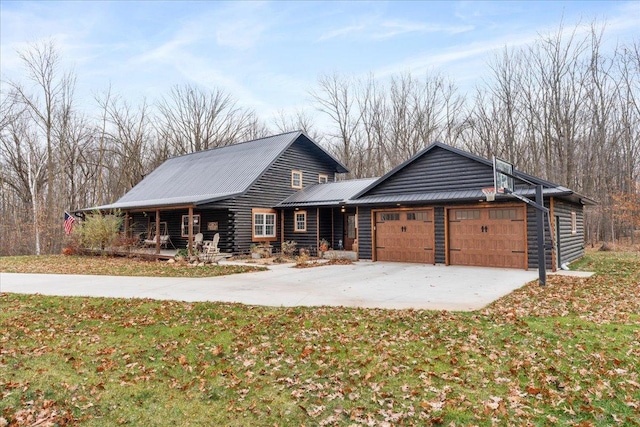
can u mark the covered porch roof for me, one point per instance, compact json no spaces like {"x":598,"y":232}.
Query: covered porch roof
{"x":328,"y":194}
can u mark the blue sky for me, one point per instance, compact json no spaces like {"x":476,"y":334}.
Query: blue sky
{"x":268,"y":55}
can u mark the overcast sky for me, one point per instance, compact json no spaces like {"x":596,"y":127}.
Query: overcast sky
{"x":268,"y":55}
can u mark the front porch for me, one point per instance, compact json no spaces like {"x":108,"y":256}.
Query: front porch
{"x":314,"y":227}
{"x":162,"y":232}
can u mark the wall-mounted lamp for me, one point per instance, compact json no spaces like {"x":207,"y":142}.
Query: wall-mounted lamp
{"x":343,"y":209}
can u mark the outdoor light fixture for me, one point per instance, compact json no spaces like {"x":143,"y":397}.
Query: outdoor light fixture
{"x":342,"y":209}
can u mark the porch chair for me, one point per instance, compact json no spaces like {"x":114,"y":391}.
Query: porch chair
{"x":197,"y":242}
{"x":210,"y":249}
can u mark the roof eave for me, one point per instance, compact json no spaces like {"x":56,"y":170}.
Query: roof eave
{"x":311,"y":204}
{"x":152,"y":205}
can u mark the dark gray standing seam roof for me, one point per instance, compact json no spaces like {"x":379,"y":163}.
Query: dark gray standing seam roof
{"x":448,"y":196}
{"x":211,"y":175}
{"x":329,"y":194}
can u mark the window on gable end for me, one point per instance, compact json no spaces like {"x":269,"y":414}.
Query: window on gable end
{"x":323,"y":178}
{"x":296,"y":179}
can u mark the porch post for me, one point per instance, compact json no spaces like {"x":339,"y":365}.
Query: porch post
{"x":281,"y":228}
{"x":317,"y":228}
{"x":190,"y":242}
{"x":126,"y":224}
{"x":157,"y":236}
{"x":333,"y":230}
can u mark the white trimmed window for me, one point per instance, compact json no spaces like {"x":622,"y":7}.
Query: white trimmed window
{"x":296,"y":179}
{"x":264,"y":224}
{"x":574,"y":223}
{"x":185,"y":225}
{"x":323,"y":178}
{"x":300,"y":221}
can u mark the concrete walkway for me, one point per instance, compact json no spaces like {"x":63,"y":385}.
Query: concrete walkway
{"x":363,"y":284}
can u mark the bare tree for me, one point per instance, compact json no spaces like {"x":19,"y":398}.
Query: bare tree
{"x":126,"y":140}
{"x":193,"y":120}
{"x":337,"y":98}
{"x":24,"y":169}
{"x":50,"y":97}
{"x":300,"y":120}
{"x":377,"y":126}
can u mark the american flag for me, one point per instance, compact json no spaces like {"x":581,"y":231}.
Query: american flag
{"x":68,"y":223}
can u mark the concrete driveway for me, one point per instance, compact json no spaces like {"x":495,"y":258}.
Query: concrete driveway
{"x":363,"y":284}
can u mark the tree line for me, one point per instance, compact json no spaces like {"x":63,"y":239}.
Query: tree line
{"x":559,"y":108}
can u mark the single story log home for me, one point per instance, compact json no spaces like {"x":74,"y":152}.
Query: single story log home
{"x":430,"y":209}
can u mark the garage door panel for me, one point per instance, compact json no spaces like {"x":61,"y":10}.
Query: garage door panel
{"x":487,"y":237}
{"x":405,"y":236}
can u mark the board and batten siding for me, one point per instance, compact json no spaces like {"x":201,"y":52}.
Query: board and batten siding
{"x":571,"y":245}
{"x":274,"y":186}
{"x":437,"y":170}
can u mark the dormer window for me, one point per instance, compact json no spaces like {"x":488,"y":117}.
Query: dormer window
{"x":323,"y":178}
{"x":296,"y":179}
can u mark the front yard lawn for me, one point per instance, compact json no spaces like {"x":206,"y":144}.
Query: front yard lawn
{"x":114,"y":266}
{"x":566,"y":354}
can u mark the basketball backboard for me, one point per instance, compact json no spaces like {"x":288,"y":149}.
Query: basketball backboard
{"x":502,"y":175}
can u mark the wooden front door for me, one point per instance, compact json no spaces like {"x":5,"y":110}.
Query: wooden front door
{"x":349,"y":231}
{"x":487,"y":237}
{"x":405,"y":236}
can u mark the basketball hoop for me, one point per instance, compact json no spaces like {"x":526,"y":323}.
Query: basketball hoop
{"x":489,"y":193}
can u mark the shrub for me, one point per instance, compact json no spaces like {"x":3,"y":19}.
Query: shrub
{"x":69,"y":250}
{"x":288,"y":248}
{"x":98,"y":231}
{"x":303,"y":258}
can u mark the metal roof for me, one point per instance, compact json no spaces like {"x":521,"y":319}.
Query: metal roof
{"x":211,"y":175}
{"x":331,"y":193}
{"x":447,"y":196}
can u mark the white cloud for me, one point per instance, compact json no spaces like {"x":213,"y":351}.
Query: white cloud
{"x":441,"y":58}
{"x":376,"y":28}
{"x":395,"y":28}
{"x":342,"y":32}
{"x":243,"y":34}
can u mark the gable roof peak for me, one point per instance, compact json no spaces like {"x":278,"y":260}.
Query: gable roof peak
{"x":215,"y":174}
{"x":240,"y":144}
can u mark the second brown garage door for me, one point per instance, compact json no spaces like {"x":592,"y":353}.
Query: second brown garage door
{"x":405,"y":235}
{"x":488,"y":237}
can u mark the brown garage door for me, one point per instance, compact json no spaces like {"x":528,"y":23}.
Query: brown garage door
{"x":489,"y":237}
{"x":405,"y":236}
